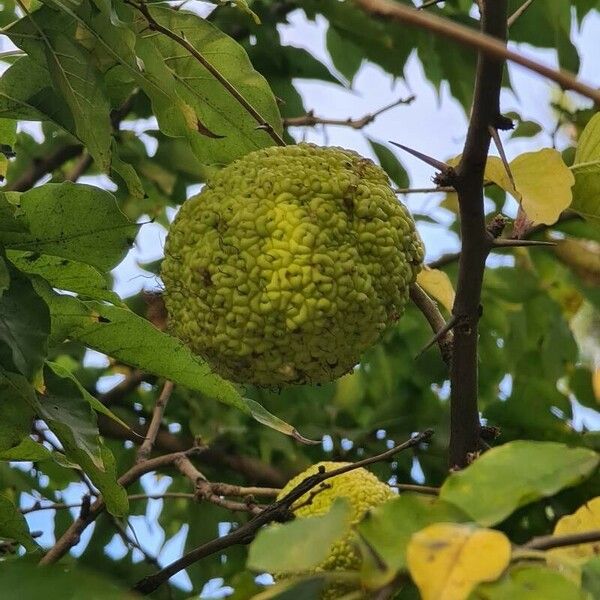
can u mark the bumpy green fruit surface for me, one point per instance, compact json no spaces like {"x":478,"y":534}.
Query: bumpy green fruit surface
{"x":363,"y":490}
{"x":289,"y":264}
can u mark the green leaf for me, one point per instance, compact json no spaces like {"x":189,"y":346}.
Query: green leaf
{"x":526,"y":129}
{"x":513,"y":475}
{"x":24,"y":324}
{"x":22,"y":580}
{"x":73,"y":221}
{"x":305,"y":588}
{"x":201,"y":101}
{"x":529,"y":583}
{"x":13,"y":525}
{"x":301,"y":544}
{"x":27,"y":450}
{"x":390,"y":164}
{"x":404,"y":515}
{"x":64,"y":274}
{"x":91,"y":400}
{"x":73,"y":74}
{"x":26,"y":93}
{"x":4,"y":275}
{"x":17,"y":416}
{"x":69,"y":415}
{"x":8,"y":132}
{"x":124,"y":335}
{"x":586,"y":168}
{"x":347,"y":57}
{"x":590,"y":576}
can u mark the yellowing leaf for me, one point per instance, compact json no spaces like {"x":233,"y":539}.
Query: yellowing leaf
{"x":495,"y":171}
{"x":585,"y":518}
{"x":437,"y":284}
{"x":447,"y":560}
{"x":543,"y":183}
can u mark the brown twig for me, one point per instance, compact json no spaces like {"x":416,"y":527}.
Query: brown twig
{"x":435,"y":319}
{"x":278,"y":511}
{"x":154,"y":25}
{"x":159,"y":409}
{"x":546,"y":542}
{"x":431,"y":190}
{"x":41,"y":166}
{"x":218,"y":488}
{"x":518,"y":243}
{"x":482,"y":41}
{"x":512,"y":19}
{"x":81,"y":166}
{"x":252,"y":469}
{"x":72,"y":535}
{"x":204,"y":489}
{"x":310,"y":120}
{"x":47,"y":164}
{"x":419,"y":489}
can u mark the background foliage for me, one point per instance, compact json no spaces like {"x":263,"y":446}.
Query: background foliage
{"x":95,"y":74}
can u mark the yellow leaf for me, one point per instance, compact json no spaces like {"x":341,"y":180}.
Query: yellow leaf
{"x":437,"y":284}
{"x":585,"y":518}
{"x":447,"y":560}
{"x":495,"y":171}
{"x":543,"y":183}
{"x":542,"y":180}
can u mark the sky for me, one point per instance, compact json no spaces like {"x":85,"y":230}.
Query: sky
{"x":434,"y":124}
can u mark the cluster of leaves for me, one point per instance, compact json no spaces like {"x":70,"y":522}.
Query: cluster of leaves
{"x":116,"y":96}
{"x":443,"y":544}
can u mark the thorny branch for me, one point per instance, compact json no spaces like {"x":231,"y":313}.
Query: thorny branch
{"x":476,"y":242}
{"x":278,"y":511}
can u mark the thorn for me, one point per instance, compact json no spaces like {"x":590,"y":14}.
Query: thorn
{"x":439,"y":335}
{"x":498,"y":142}
{"x":436,"y":164}
{"x":510,"y":243}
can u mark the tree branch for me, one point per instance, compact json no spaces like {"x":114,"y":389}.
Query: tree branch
{"x":278,"y":511}
{"x":435,"y":319}
{"x":72,"y":535}
{"x":475,"y":243}
{"x":310,"y":120}
{"x":253,"y":470}
{"x":545,"y":542}
{"x":488,"y":45}
{"x":41,"y":166}
{"x":159,"y":409}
